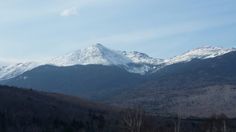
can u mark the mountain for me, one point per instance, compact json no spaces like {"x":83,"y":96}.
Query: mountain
{"x":8,"y":71}
{"x":204,"y":52}
{"x":88,"y":81}
{"x":99,"y":55}
{"x":95,"y":54}
{"x":198,"y":88}
{"x":134,"y":62}
{"x":177,"y":88}
{"x":141,"y":58}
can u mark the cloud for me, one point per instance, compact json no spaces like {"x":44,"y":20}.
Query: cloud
{"x":69,"y":12}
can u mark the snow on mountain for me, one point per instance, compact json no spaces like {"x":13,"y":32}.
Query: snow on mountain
{"x":134,"y":62}
{"x":98,"y":54}
{"x":13,"y":70}
{"x":200,"y":53}
{"x":141,"y":58}
{"x":95,"y":54}
{"x":142,"y":63}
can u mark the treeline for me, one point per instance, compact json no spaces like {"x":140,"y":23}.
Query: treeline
{"x":126,"y":121}
{"x":94,"y":122}
{"x":135,"y":120}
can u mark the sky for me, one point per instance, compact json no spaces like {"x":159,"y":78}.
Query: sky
{"x":38,"y":30}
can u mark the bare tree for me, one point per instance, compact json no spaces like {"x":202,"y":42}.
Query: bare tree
{"x":217,"y":123}
{"x":224,"y":126}
{"x":177,"y":123}
{"x":133,"y":119}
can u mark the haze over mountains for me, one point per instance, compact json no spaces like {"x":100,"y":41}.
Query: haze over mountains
{"x":201,"y":82}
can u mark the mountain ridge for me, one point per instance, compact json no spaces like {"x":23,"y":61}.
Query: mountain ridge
{"x":133,"y":61}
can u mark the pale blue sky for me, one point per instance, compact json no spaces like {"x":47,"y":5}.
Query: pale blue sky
{"x":36,"y":30}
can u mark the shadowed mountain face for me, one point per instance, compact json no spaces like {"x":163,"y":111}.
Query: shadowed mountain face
{"x":196,"y":73}
{"x":165,"y":90}
{"x":91,"y":81}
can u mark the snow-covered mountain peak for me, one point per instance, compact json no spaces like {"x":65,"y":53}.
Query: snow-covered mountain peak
{"x":95,"y":47}
{"x":98,"y":54}
{"x":98,"y":45}
{"x":95,"y":54}
{"x":204,"y":52}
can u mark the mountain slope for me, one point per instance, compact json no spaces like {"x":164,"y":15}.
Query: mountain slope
{"x":200,"y":53}
{"x":95,"y":54}
{"x":24,"y":110}
{"x":8,"y":71}
{"x":195,"y":88}
{"x":141,"y":58}
{"x":90,"y":81}
{"x":29,"y":111}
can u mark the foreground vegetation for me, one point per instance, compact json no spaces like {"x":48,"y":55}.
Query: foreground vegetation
{"x":30,"y":111}
{"x":101,"y":122}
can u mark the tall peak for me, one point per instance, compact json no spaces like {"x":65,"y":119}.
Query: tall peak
{"x":98,"y":45}
{"x":94,"y":54}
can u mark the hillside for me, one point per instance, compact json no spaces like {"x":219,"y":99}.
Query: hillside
{"x":91,"y":81}
{"x":195,"y":88}
{"x":24,"y":110}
